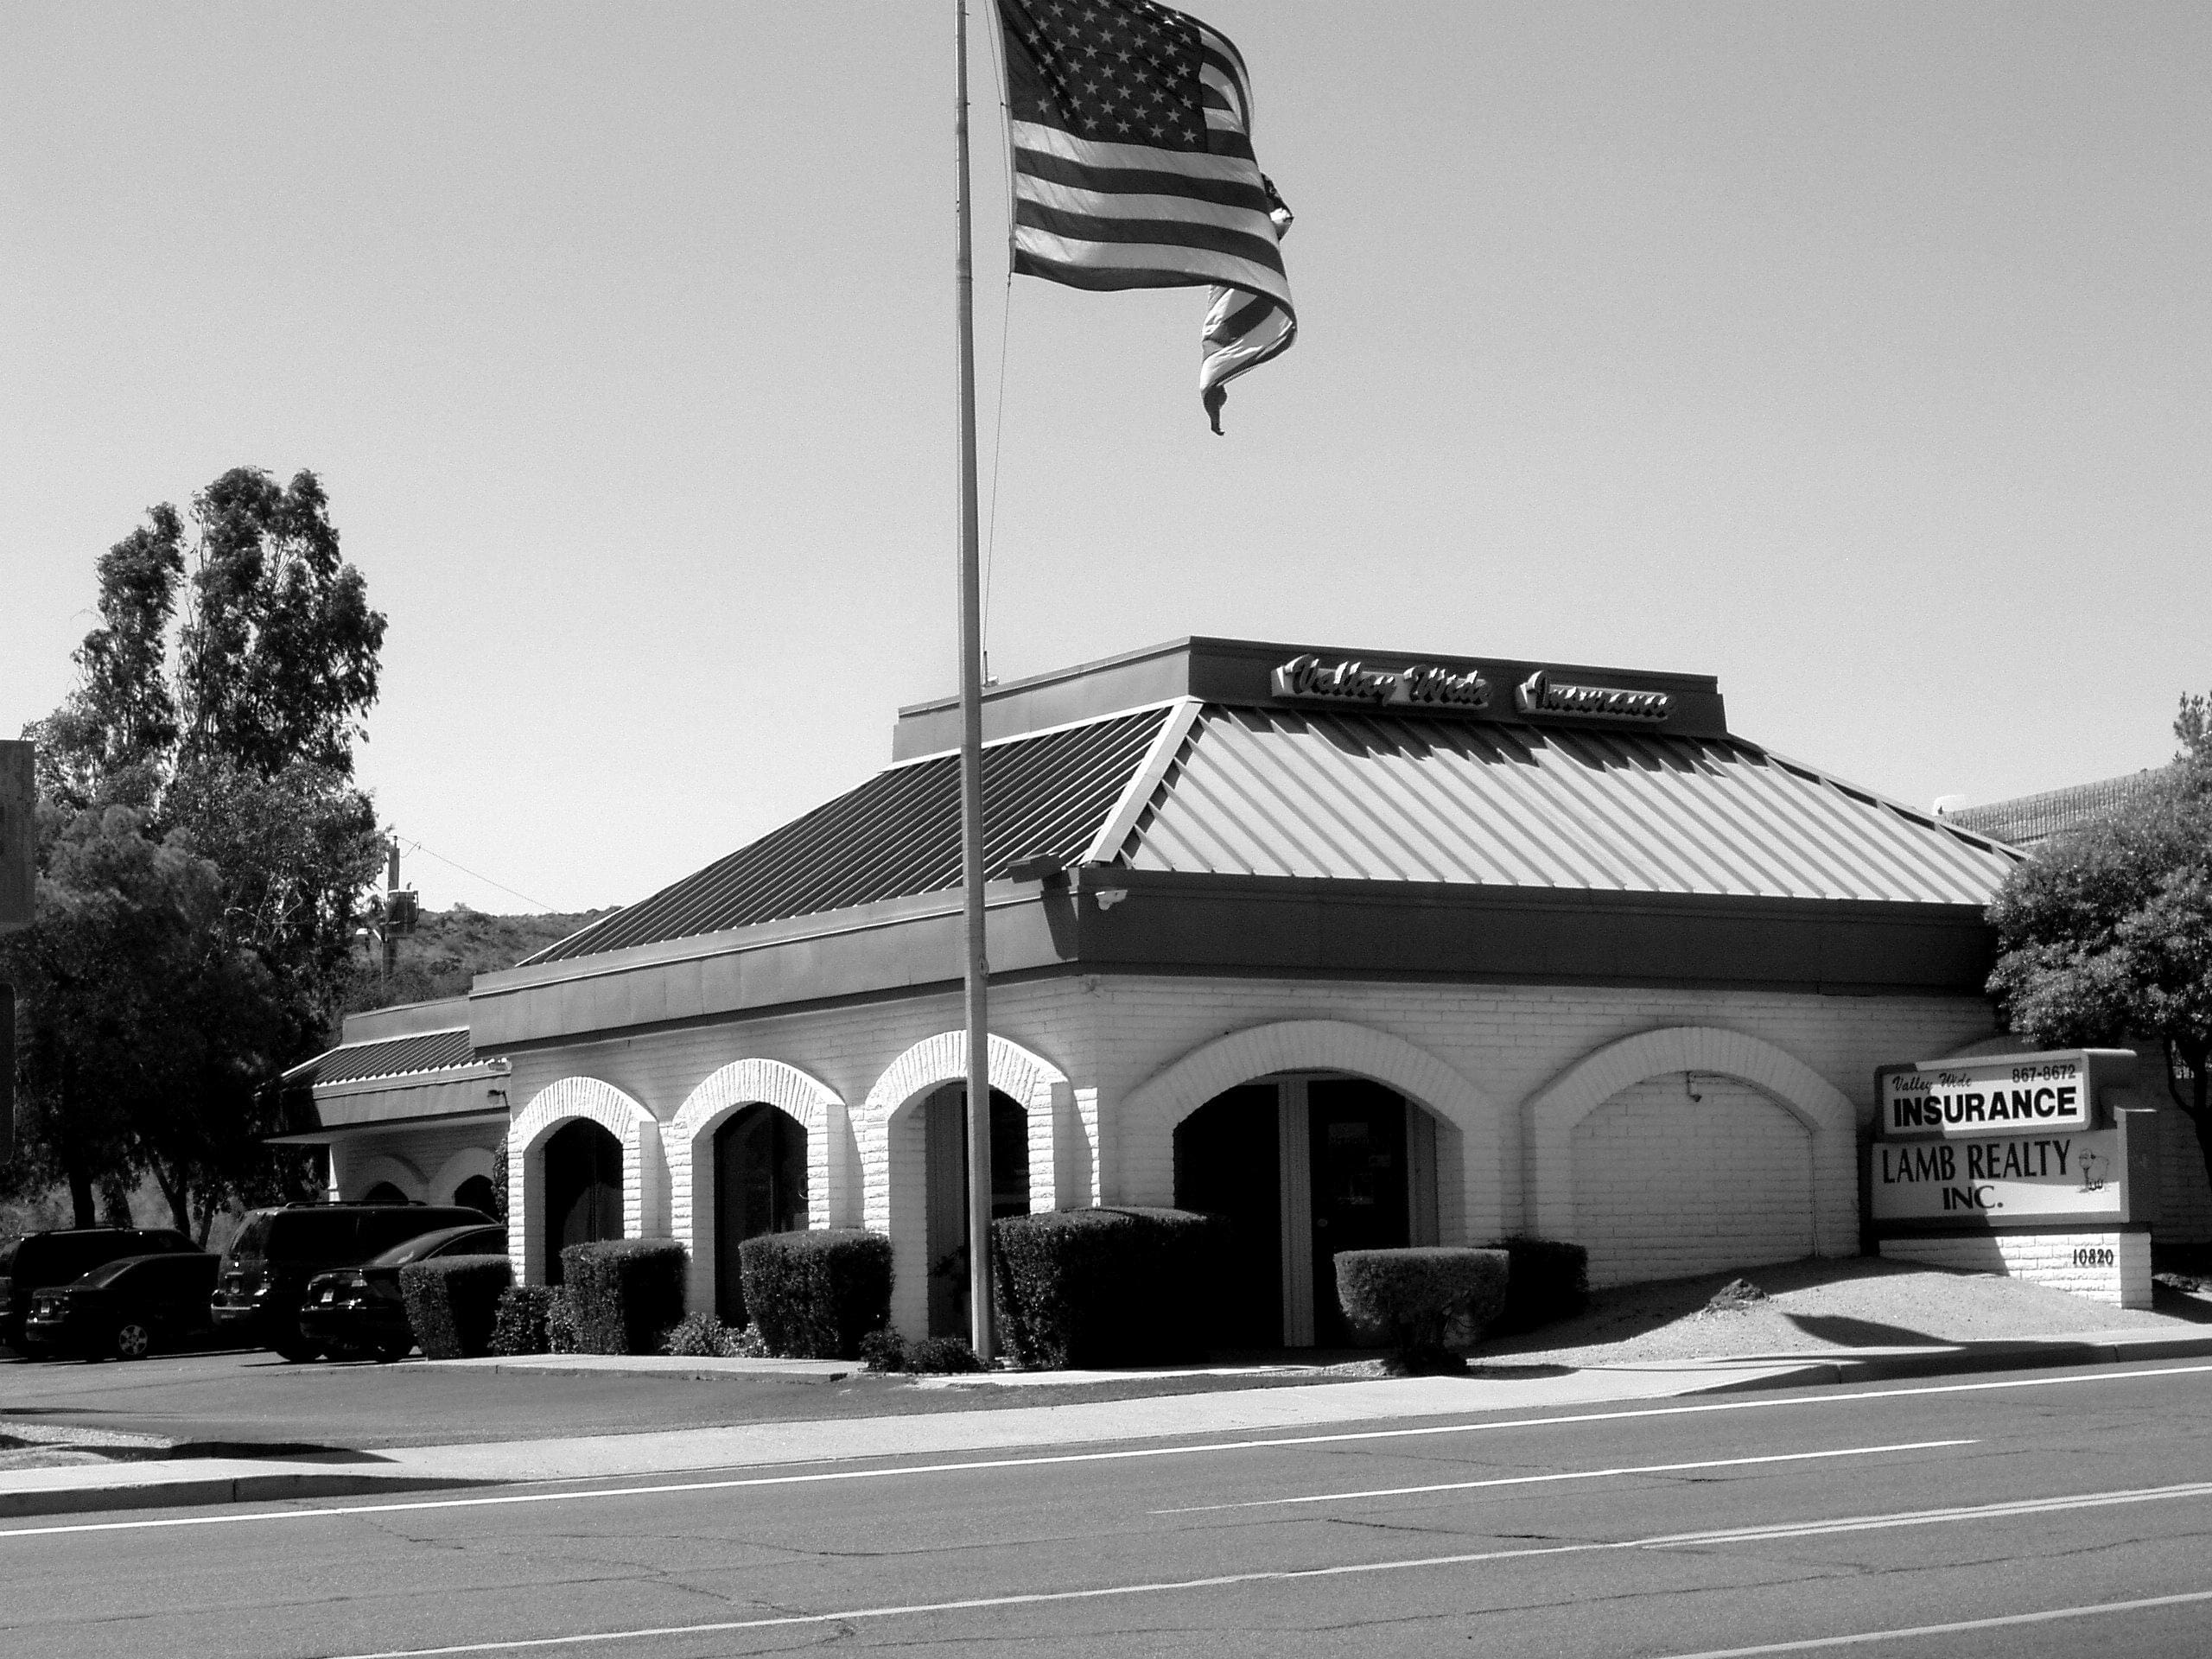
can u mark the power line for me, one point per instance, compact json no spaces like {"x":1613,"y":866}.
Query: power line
{"x":476,"y":875}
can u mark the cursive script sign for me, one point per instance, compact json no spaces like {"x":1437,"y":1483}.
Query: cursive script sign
{"x":1420,"y":686}
{"x":1541,"y":695}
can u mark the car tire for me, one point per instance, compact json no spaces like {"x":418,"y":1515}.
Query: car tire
{"x":134,"y":1339}
{"x":386,"y":1352}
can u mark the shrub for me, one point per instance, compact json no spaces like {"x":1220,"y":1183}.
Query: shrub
{"x":1122,"y":1286}
{"x":624,"y":1293}
{"x":520,"y":1326}
{"x":1412,"y":1298}
{"x":884,"y":1350}
{"x":703,"y":1336}
{"x":1550,"y":1281}
{"x":816,"y":1294}
{"x":453,"y":1302}
{"x":561,"y":1336}
{"x":942,"y":1354}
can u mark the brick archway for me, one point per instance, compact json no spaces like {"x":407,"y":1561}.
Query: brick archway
{"x":889,"y":1137}
{"x":688,"y":1140}
{"x":1825,"y":1112}
{"x":645,"y":1172}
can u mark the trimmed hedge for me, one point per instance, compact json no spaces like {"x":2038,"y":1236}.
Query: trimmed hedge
{"x":815,"y":1295}
{"x":623,"y":1294}
{"x":1550,"y":1282}
{"x":453,"y":1302}
{"x":1413,"y":1297}
{"x":1105,"y":1287}
{"x":524,"y":1311}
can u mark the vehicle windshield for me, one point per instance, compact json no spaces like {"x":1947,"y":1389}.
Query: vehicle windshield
{"x":7,"y":1254}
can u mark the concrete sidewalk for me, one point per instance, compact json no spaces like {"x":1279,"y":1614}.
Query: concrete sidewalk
{"x":1033,"y":1423}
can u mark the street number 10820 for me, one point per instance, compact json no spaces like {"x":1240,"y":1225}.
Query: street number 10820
{"x":2095,"y":1256}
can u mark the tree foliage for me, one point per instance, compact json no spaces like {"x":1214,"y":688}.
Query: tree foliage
{"x":2107,"y":933}
{"x":203,"y":847}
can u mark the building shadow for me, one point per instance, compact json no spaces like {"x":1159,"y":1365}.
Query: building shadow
{"x":1847,"y":1332}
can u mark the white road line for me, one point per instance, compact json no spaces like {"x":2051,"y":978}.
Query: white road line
{"x":1575,"y":1474}
{"x":1863,"y":1637}
{"x":1119,"y":1455}
{"x":1291,"y":1575}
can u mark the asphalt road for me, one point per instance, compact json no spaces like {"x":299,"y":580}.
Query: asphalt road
{"x":2039,"y":1514}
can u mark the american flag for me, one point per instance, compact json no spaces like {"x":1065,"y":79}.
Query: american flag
{"x":1133,"y":169}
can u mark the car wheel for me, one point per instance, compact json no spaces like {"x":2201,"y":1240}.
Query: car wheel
{"x":388,"y":1351}
{"x":133,"y":1339}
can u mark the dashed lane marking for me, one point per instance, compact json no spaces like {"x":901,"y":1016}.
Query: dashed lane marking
{"x":1353,"y":1569}
{"x":1572,"y":1474}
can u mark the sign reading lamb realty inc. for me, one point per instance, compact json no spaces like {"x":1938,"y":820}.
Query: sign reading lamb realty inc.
{"x":2001,"y":1139}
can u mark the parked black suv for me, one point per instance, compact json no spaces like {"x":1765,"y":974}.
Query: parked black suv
{"x":128,"y":1308}
{"x":359,"y":1310}
{"x":265,"y":1272}
{"x":31,"y":1263}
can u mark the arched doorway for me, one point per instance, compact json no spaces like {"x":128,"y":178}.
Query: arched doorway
{"x":759,"y":1187}
{"x":478,"y":1193}
{"x":945,"y":1125}
{"x":583,"y":1190}
{"x":1305,"y":1166}
{"x":383,"y":1192}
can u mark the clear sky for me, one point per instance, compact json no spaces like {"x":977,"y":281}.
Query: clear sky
{"x":1856,"y":353}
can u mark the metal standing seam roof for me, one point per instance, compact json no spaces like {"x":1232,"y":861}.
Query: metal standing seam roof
{"x":2027,"y":820}
{"x":1253,"y":792}
{"x":387,"y":1057}
{"x":896,"y":836}
{"x":1271,"y":792}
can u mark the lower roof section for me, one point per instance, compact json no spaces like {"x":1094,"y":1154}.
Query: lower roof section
{"x":1107,"y":920}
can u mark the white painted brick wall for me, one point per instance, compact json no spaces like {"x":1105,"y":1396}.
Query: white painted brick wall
{"x":1666,"y":1186}
{"x":2068,"y":1262}
{"x":1110,"y":1036}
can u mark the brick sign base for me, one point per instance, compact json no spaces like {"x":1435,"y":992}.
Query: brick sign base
{"x":2105,"y":1265}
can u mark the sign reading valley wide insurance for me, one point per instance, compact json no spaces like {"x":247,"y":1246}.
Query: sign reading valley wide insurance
{"x":2000,"y":1094}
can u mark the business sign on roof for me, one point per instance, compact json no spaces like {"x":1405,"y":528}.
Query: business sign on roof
{"x":1999,"y":1094}
{"x":1540,"y":694}
{"x":1420,"y":686}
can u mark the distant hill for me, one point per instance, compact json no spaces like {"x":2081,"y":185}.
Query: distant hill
{"x":449,"y":947}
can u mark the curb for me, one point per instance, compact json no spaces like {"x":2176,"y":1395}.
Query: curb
{"x":198,"y":1490}
{"x":1964,"y":1362}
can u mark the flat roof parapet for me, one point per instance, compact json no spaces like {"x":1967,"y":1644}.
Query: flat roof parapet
{"x":1256,"y":673}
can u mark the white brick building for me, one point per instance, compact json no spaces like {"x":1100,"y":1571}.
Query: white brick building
{"x":1314,"y":945}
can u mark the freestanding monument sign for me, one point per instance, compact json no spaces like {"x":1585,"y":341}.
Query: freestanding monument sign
{"x":2018,"y":1164}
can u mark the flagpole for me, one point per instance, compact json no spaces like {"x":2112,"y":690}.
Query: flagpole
{"x":977,"y":972}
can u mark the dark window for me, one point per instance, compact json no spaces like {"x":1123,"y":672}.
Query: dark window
{"x":583,"y":1190}
{"x":1227,"y":1156}
{"x":477,"y":1194}
{"x":946,"y":1131}
{"x":315,"y":1235}
{"x":759,"y":1187}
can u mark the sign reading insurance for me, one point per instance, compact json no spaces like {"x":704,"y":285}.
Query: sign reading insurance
{"x":2000,"y":1094}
